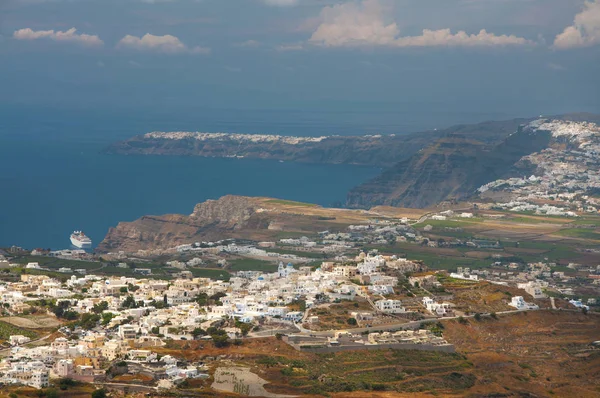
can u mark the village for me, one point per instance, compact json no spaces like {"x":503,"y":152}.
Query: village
{"x":115,"y":325}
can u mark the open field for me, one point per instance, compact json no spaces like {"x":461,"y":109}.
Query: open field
{"x":33,"y":321}
{"x":8,"y":329}
{"x":213,"y":273}
{"x":335,"y":316}
{"x":56,"y":263}
{"x":82,"y":390}
{"x":250,"y":264}
{"x":581,"y":233}
{"x":540,"y":353}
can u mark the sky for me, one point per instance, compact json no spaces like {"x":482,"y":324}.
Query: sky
{"x":515,"y":57}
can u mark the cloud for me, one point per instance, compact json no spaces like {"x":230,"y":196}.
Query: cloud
{"x":70,"y":35}
{"x":166,"y":44}
{"x":280,"y":3}
{"x":248,"y":43}
{"x":290,"y":47}
{"x":585,"y":30}
{"x":554,"y":66}
{"x":356,"y":24}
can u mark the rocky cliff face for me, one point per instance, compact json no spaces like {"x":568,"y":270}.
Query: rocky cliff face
{"x":210,"y":220}
{"x":452,"y":167}
{"x":232,"y":211}
{"x":234,"y":217}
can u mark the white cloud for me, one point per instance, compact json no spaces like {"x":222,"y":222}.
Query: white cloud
{"x":70,"y":35}
{"x":355,"y":24}
{"x":585,"y":30}
{"x":281,"y":3}
{"x":167,"y":44}
{"x":248,"y":43}
{"x":290,"y":47}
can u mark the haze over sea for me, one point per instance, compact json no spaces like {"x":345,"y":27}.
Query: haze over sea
{"x":53,"y":179}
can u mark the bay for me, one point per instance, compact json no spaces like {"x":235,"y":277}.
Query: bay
{"x":53,"y":178}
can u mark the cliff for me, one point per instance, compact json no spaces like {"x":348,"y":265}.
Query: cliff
{"x":452,"y":167}
{"x":228,"y":217}
{"x":372,"y":150}
{"x":209,"y":220}
{"x":419,"y":169}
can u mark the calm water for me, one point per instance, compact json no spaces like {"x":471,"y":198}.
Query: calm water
{"x":53,"y":179}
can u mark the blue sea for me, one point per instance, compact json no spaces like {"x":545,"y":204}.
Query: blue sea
{"x":53,"y":178}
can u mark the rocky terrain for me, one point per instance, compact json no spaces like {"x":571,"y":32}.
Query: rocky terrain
{"x":452,"y":167}
{"x":228,"y":217}
{"x":209,"y":220}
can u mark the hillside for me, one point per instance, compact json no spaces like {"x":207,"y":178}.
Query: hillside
{"x":419,"y":169}
{"x":228,"y":217}
{"x":452,"y":167}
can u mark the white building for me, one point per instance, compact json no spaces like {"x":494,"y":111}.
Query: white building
{"x":533,"y":288}
{"x":519,"y":303}
{"x":18,"y":339}
{"x":390,"y":306}
{"x":39,"y":379}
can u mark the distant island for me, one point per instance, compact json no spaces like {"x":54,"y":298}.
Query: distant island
{"x":419,"y":169}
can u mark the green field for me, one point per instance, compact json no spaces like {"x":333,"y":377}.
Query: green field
{"x":212,"y":273}
{"x":56,"y":263}
{"x":250,"y":264}
{"x":467,"y":222}
{"x":7,"y":330}
{"x":581,"y":233}
{"x":290,"y":203}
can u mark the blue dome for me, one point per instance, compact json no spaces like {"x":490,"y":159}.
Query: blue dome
{"x":260,"y":278}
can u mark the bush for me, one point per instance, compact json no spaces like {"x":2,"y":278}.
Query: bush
{"x":101,"y":393}
{"x":352,"y":321}
{"x":477,"y":316}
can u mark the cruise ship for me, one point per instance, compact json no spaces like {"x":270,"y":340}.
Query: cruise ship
{"x":80,"y":240}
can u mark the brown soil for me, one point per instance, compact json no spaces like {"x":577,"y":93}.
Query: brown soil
{"x":543,"y":353}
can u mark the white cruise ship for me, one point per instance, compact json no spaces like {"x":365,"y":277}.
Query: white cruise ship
{"x":80,"y":240}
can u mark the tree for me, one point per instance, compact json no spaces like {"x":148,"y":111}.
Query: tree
{"x":100,"y":307}
{"x":70,"y":315}
{"x":123,"y":290}
{"x":101,"y":393}
{"x":220,"y":340}
{"x":89,"y":321}
{"x":202,"y":299}
{"x":129,"y":302}
{"x":351,"y":321}
{"x":50,"y":393}
{"x":107,"y":317}
{"x":197,"y":332}
{"x":477,"y":316}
